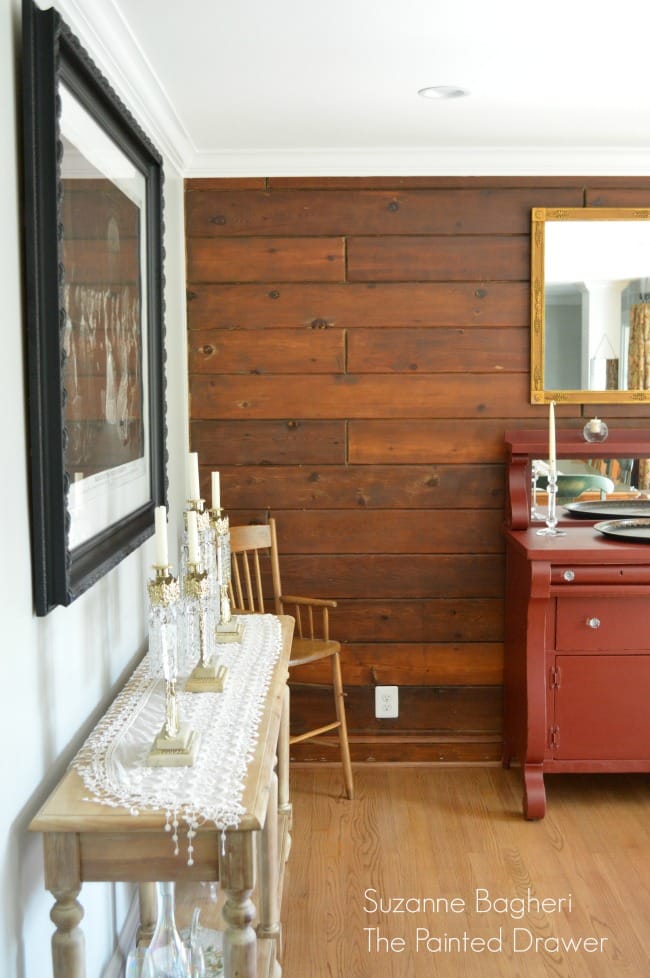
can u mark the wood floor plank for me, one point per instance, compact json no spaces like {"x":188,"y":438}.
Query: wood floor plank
{"x":433,"y":835}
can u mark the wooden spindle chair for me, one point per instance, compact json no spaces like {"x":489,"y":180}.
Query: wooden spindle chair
{"x":252,"y":547}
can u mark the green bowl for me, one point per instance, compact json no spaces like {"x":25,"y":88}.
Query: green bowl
{"x":570,"y":487}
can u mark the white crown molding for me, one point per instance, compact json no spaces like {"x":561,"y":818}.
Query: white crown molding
{"x":101,"y":29}
{"x":446,"y":161}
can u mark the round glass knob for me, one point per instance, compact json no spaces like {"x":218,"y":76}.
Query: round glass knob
{"x":569,"y":575}
{"x":593,"y":622}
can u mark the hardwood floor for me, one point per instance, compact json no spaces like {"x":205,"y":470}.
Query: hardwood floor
{"x":451,"y":844}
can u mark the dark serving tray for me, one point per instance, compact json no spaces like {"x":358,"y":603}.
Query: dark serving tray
{"x":637,"y":531}
{"x":609,"y":509}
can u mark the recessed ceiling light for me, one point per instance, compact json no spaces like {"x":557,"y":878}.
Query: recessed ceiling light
{"x":443,"y":91}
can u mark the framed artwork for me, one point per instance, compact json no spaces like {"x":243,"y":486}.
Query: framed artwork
{"x":94,"y":309}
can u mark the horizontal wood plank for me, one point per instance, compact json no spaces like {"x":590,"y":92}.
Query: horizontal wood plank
{"x":407,"y":664}
{"x":314,"y":486}
{"x":382,"y":748}
{"x":439,"y":620}
{"x":391,"y":304}
{"x":224,"y":183}
{"x":472,"y":350}
{"x":617,"y":197}
{"x":219,"y":212}
{"x":361,"y":396}
{"x":435,"y":182}
{"x":423,"y":709}
{"x":380,"y":442}
{"x":266,"y":259}
{"x":394,"y":575}
{"x":274,"y":351}
{"x":224,"y":443}
{"x":431,"y":259}
{"x":394,"y":530}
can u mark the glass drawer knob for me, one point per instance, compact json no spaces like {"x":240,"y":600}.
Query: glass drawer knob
{"x":569,"y":575}
{"x":593,"y":622}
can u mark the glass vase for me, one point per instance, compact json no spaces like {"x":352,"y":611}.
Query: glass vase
{"x":166,"y":955}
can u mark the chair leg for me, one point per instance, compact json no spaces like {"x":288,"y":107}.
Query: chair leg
{"x":343,"y":729}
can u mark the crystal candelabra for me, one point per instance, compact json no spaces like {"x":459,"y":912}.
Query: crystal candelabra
{"x":551,"y":529}
{"x":199,"y":631}
{"x":177,"y":743}
{"x":206,"y":542}
{"x":228,"y":629}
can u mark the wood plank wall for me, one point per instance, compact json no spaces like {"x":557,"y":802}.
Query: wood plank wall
{"x":357,"y":348}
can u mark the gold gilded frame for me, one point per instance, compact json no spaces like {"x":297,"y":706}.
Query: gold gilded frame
{"x":538,"y":392}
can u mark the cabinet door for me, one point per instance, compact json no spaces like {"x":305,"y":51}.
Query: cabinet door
{"x":601,"y":707}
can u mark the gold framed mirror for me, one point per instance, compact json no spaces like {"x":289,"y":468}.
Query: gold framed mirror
{"x":590,"y":305}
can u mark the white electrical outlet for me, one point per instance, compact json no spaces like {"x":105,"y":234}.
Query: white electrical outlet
{"x":386,"y":702}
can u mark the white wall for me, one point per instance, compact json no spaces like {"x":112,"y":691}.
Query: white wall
{"x":58,"y":673}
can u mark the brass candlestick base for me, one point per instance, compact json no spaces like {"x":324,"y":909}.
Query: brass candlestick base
{"x":206,"y":679}
{"x":229,"y":631}
{"x":178,"y":750}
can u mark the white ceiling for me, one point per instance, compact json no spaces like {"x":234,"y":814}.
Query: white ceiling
{"x":295,"y":86}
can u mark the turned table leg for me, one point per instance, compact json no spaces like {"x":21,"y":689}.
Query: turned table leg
{"x":284,"y":801}
{"x":237,"y":876}
{"x":62,"y":879}
{"x":269,"y":910}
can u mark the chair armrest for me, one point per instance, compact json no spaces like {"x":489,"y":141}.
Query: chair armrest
{"x":316,"y":602}
{"x":315,"y":607}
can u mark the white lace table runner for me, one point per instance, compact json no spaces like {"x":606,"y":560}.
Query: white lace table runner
{"x":112,"y":762}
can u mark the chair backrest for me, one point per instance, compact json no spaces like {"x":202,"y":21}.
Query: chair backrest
{"x":254,"y":559}
{"x":251,"y":548}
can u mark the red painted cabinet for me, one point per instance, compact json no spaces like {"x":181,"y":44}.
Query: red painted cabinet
{"x":577,"y":653}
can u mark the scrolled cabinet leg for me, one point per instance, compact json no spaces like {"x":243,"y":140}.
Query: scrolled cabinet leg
{"x":534,"y":792}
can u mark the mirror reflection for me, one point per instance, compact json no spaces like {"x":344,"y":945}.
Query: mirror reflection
{"x":590,"y":305}
{"x":589,"y":480}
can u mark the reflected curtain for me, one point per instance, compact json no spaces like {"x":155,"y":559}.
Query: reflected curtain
{"x":639,"y":367}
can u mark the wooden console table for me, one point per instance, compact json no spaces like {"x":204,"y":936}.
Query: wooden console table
{"x":89,"y":841}
{"x":577,"y":647}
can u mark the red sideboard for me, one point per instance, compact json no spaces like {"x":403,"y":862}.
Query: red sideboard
{"x":577,"y":637}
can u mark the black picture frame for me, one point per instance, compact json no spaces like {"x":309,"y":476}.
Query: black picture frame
{"x":56,"y":68}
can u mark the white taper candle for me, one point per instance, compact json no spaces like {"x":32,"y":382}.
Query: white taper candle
{"x":216,"y":491}
{"x":552,"y":454}
{"x":162,"y":553}
{"x":192,"y":538}
{"x":193,"y":488}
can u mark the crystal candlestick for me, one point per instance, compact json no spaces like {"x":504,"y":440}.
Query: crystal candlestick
{"x":207,"y":546}
{"x":176,"y":744}
{"x":199,"y":629}
{"x":534,"y":473}
{"x":228,"y":629}
{"x":551,"y":529}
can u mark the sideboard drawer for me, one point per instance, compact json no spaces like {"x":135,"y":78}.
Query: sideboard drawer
{"x":600,"y":623}
{"x":569,"y":575}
